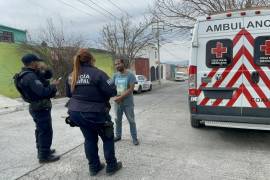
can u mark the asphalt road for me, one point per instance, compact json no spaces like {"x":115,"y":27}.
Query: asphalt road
{"x":170,"y":148}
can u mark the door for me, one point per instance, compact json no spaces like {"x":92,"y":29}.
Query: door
{"x":256,"y":67}
{"x":219,"y":69}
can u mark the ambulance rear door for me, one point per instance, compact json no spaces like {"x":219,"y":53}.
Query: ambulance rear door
{"x":256,"y":72}
{"x":219,"y":67}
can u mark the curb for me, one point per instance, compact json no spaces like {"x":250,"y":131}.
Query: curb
{"x":24,"y":106}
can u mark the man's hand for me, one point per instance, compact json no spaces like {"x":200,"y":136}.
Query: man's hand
{"x":118,"y":99}
{"x":56,"y":82}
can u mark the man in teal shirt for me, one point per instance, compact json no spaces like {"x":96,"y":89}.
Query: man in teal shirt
{"x":124,"y":103}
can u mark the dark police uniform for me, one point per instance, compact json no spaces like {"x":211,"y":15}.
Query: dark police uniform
{"x":37,"y":88}
{"x":89,"y":109}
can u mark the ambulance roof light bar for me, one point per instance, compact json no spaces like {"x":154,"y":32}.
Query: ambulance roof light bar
{"x":257,"y":12}
{"x":229,"y":14}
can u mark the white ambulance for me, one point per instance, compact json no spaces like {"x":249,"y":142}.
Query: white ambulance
{"x":229,"y":72}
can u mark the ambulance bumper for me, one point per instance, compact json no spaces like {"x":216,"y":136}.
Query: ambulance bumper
{"x":236,"y":119}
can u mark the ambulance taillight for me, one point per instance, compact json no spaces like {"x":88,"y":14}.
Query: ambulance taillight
{"x":192,"y":80}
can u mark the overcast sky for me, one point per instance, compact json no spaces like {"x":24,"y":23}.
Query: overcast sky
{"x":85,"y":17}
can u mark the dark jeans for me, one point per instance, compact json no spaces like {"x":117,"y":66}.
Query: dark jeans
{"x":93,"y":125}
{"x":43,"y":132}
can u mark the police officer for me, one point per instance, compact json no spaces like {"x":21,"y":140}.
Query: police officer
{"x":35,"y":88}
{"x":89,"y":108}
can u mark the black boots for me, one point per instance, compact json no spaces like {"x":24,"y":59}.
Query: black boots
{"x":48,"y":159}
{"x":115,"y":169}
{"x":93,"y":173}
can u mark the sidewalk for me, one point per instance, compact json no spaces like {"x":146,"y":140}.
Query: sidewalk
{"x":8,"y":105}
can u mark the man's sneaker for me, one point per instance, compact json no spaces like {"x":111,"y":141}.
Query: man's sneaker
{"x":50,"y":158}
{"x":136,"y":142}
{"x":101,"y":166}
{"x":115,"y":169}
{"x":117,"y":139}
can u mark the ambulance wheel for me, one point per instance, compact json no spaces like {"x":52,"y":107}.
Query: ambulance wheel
{"x":195,"y":123}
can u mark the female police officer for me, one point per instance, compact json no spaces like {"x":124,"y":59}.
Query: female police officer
{"x":89,"y":108}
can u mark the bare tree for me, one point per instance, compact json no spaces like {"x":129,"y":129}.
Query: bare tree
{"x":182,"y":14}
{"x":123,"y":38}
{"x":57,"y":49}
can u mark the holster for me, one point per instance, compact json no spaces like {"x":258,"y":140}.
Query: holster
{"x":70,"y":122}
{"x":108,"y":129}
{"x":40,"y":105}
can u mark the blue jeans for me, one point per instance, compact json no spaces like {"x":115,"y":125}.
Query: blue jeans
{"x":129,"y":112}
{"x":43,"y":132}
{"x":93,"y":125}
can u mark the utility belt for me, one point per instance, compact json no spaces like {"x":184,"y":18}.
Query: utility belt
{"x":40,"y":105}
{"x":106,"y":127}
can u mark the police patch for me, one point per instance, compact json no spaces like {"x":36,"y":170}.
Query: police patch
{"x":109,"y":81}
{"x":84,"y":79}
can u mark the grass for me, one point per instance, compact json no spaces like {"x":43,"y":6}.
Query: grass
{"x":10,"y":63}
{"x":104,"y":62}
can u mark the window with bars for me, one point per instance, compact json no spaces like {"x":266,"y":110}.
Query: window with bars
{"x":6,"y":36}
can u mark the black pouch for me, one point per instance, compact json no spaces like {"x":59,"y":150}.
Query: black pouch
{"x":70,"y":122}
{"x":108,"y":129}
{"x":41,"y":104}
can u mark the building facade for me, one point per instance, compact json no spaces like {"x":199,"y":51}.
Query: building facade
{"x":12,"y":35}
{"x":150,"y":53}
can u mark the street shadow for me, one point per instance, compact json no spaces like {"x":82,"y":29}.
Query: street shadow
{"x":246,"y":138}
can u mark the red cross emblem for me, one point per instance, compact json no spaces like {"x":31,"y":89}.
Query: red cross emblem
{"x":219,"y":50}
{"x":266,"y":48}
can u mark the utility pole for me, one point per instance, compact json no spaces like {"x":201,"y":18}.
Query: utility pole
{"x":158,"y":48}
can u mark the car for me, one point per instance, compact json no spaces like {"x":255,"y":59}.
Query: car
{"x":180,"y":76}
{"x":142,"y":84}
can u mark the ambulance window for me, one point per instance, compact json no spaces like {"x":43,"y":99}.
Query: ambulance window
{"x":262,"y":51}
{"x":219,"y":53}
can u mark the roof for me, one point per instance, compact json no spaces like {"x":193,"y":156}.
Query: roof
{"x":12,"y":28}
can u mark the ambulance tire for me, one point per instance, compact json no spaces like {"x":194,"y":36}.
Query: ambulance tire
{"x":195,"y":123}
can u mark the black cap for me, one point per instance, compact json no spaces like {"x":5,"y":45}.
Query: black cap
{"x":28,"y":58}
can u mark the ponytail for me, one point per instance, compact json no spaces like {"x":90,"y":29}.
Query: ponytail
{"x":75,"y":72}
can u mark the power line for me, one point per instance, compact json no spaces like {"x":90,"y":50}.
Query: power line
{"x":93,"y":8}
{"x":103,"y":9}
{"x":118,"y":7}
{"x":67,"y":4}
{"x":171,"y":53}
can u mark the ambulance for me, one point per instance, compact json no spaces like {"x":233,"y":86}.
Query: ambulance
{"x":229,"y":70}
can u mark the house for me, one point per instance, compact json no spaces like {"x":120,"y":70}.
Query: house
{"x":12,"y":35}
{"x":147,"y":63}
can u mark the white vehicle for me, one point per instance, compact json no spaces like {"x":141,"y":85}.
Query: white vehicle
{"x":229,"y":72}
{"x":180,"y":76}
{"x":142,"y":84}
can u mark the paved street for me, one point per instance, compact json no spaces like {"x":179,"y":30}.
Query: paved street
{"x":169,"y":149}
